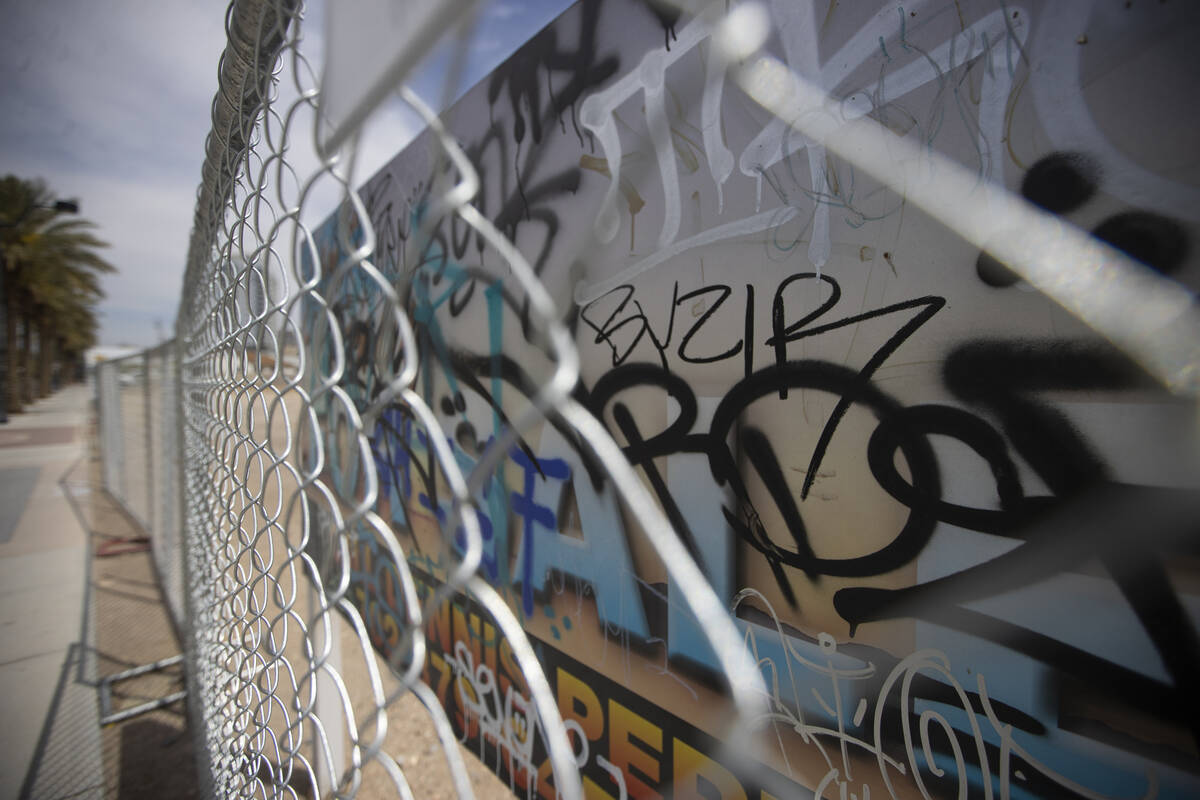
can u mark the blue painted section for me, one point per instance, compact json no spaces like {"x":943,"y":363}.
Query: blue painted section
{"x":600,"y":556}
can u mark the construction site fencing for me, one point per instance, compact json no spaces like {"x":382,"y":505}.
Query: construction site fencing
{"x":639,"y":430}
{"x":137,"y":407}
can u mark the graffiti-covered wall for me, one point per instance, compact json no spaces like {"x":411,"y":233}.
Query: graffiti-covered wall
{"x":938,"y":506}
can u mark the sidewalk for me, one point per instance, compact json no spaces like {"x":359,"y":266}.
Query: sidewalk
{"x":80,"y":605}
{"x":43,"y":578}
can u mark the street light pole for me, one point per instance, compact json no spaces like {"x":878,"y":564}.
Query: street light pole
{"x":60,"y":207}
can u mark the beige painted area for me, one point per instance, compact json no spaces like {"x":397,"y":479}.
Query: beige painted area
{"x":846,"y":515}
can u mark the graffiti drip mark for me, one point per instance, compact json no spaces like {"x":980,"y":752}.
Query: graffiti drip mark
{"x":668,"y":16}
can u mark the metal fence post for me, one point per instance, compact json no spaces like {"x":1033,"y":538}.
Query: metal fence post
{"x":148,"y":421}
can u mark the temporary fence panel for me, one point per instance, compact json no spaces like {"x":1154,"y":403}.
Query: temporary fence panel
{"x":123,"y":405}
{"x":728,"y":404}
{"x":138,"y":433}
{"x":165,"y":452}
{"x":108,"y":410}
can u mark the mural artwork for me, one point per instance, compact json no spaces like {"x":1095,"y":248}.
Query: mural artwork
{"x":939,"y":507}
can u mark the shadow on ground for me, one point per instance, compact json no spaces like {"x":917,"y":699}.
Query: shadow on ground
{"x":124,"y":624}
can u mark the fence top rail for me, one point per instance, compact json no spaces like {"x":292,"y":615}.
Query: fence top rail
{"x":120,"y":361}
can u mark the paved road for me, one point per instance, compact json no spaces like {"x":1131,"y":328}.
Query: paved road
{"x":43,"y":557}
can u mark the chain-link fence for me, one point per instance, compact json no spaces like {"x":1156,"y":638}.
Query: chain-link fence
{"x":492,"y":467}
{"x":267,"y":433}
{"x":121,"y":399}
{"x":137,"y":402}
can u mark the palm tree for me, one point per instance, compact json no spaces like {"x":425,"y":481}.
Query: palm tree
{"x":65,"y":278}
{"x":22,"y":210}
{"x":51,"y":278}
{"x":75,"y":336}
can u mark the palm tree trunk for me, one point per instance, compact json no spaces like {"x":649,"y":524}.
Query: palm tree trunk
{"x":26,"y":356}
{"x":72,"y":367}
{"x":47,"y":353}
{"x":65,"y":376}
{"x":13,"y":387}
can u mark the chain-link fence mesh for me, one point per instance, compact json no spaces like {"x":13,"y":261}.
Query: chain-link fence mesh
{"x":265,"y":516}
{"x":380,"y":419}
{"x":137,"y":403}
{"x":123,"y":400}
{"x":110,"y":412}
{"x":164,"y":452}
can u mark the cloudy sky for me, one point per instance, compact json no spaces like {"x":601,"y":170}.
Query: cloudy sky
{"x":109,"y":103}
